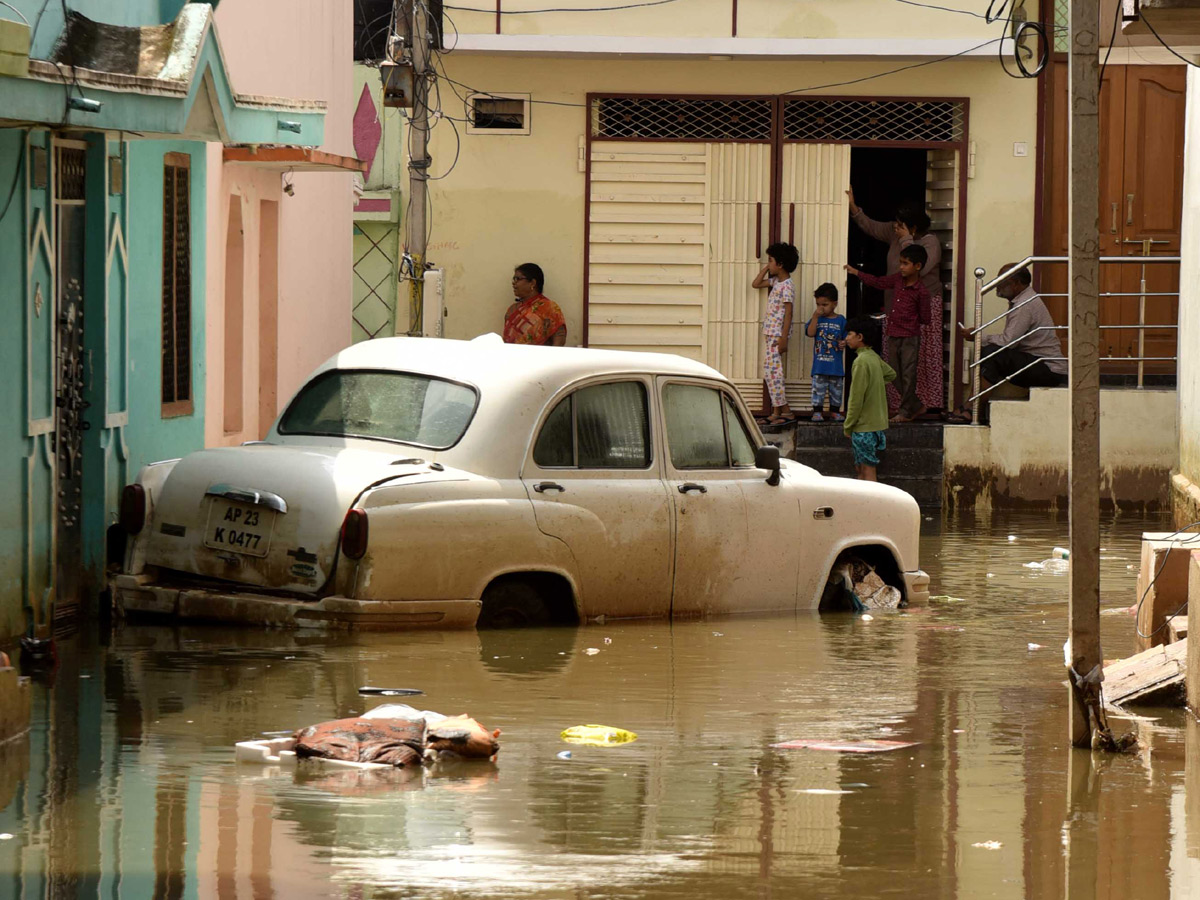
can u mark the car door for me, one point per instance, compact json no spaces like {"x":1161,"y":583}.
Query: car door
{"x":737,"y":538}
{"x":595,"y":481}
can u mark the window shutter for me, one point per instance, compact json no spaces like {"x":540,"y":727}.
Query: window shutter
{"x":177,"y":286}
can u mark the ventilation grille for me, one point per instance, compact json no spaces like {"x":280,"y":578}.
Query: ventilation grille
{"x":680,"y":119}
{"x":177,"y":283}
{"x":71,"y":174}
{"x":836,"y":121}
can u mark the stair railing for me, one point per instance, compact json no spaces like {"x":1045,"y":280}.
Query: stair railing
{"x":981,"y":289}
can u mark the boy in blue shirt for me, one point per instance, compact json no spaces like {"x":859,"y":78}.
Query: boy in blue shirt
{"x":828,"y":331}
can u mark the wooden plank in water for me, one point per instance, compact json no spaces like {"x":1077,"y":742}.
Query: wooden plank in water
{"x":1154,"y":677}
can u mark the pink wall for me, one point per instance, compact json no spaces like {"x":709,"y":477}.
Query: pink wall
{"x":308,"y":56}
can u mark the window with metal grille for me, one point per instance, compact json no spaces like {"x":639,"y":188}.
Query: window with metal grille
{"x":682,"y":118}
{"x":1062,"y":35}
{"x":499,"y":114}
{"x":899,"y":121}
{"x":70,"y":174}
{"x":177,"y":286}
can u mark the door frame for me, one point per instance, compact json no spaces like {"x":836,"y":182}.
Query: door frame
{"x":777,"y":140}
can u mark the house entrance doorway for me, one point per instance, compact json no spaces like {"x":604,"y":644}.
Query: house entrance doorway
{"x":686,"y":193}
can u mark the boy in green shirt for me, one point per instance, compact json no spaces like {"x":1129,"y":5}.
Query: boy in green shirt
{"x":867,"y":410}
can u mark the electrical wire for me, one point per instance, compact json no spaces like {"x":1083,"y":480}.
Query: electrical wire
{"x":1174,"y":52}
{"x":1112,"y":37}
{"x":12,"y":188}
{"x":917,"y":65}
{"x":14,"y":9}
{"x":1162,"y":565}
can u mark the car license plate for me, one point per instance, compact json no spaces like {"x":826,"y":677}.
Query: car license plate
{"x":239,"y":527}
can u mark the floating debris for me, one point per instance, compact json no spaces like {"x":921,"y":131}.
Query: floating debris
{"x":597,"y":735}
{"x":591,"y":651}
{"x":988,"y":845}
{"x":867,"y":746}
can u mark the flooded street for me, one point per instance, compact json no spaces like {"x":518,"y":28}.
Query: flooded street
{"x":127,"y":787}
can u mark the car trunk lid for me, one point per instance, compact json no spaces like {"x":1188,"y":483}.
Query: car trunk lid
{"x":264,"y":515}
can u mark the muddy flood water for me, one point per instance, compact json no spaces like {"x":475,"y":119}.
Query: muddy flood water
{"x":126,"y":786}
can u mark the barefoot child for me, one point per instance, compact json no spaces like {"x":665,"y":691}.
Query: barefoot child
{"x":910,"y":311}
{"x":828,"y":330}
{"x":866,"y":410}
{"x":782,"y":260}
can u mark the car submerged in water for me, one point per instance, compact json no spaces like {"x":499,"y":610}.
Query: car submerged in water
{"x":415,"y":483}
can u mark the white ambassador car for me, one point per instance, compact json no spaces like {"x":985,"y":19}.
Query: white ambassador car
{"x":415,"y":482}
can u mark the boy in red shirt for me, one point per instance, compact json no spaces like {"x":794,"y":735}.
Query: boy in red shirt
{"x":910,"y":310}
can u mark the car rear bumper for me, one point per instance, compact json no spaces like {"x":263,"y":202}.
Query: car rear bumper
{"x":140,"y":595}
{"x":916,"y":588}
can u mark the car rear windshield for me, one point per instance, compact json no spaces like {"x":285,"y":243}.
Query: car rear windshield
{"x":391,"y":406}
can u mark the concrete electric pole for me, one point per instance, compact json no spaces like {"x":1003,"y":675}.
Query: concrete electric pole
{"x":1084,"y":277}
{"x":418,"y":158}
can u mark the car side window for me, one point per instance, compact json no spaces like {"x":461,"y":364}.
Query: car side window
{"x":603,"y":426}
{"x":695,"y":427}
{"x":741,"y":447}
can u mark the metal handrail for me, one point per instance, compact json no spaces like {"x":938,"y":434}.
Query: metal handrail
{"x":981,"y":289}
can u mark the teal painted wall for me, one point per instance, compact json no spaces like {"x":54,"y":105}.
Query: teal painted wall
{"x":150,"y":437}
{"x":12,"y":402}
{"x":114,"y":12}
{"x":123,"y":341}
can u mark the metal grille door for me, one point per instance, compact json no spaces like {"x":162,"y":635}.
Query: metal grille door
{"x":814,"y":213}
{"x":738,"y":229}
{"x":647,"y":235}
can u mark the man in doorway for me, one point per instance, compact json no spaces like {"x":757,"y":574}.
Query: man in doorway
{"x":533,"y":318}
{"x":1028,"y":352}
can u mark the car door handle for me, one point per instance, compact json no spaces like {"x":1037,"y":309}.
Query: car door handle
{"x":542,"y":486}
{"x":692,"y":486}
{"x":823,"y":512}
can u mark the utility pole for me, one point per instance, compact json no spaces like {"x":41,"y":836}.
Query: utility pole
{"x":1084,"y":277}
{"x":418,"y":159}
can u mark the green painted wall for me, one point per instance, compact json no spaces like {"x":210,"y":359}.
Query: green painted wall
{"x":123,"y":341}
{"x":12,"y":401}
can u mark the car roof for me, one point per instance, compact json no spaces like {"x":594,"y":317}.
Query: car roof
{"x":487,"y":358}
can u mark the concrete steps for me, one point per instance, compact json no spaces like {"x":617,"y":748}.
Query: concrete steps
{"x":912,"y":461}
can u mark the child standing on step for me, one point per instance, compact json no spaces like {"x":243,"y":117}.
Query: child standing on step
{"x":910,"y":311}
{"x":828,"y":330}
{"x":866,"y":409}
{"x":782,"y":260}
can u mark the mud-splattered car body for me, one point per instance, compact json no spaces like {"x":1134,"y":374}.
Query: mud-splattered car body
{"x":425,"y":483}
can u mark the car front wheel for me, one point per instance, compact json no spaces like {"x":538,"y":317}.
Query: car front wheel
{"x":512,"y":604}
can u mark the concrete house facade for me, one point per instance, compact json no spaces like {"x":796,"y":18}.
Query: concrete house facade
{"x":119,"y":121}
{"x":646,"y":157}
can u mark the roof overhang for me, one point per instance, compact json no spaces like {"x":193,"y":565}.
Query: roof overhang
{"x":176,"y":85}
{"x":604,"y":46}
{"x":298,"y":159}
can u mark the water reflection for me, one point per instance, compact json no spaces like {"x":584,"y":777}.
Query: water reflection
{"x":126,"y":784}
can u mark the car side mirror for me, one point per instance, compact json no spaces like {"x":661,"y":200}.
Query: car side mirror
{"x":767,"y":457}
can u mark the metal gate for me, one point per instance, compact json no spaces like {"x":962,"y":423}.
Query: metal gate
{"x":69,"y":425}
{"x":685,"y":194}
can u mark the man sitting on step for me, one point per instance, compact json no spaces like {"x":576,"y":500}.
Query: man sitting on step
{"x":1028,"y":352}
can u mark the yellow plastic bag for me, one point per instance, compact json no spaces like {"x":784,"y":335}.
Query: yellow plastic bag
{"x":598,"y":735}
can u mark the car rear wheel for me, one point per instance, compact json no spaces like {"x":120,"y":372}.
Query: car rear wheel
{"x":512,"y":604}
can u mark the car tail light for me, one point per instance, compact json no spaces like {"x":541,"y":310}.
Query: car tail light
{"x":133,"y":508}
{"x":354,"y":533}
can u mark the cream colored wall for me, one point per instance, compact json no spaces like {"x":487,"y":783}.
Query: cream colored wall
{"x":301,"y":51}
{"x":1189,"y":293}
{"x":1027,"y":439}
{"x":512,"y":199}
{"x":756,"y":18}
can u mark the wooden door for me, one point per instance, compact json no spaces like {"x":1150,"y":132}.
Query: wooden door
{"x":1152,"y":207}
{"x":1141,"y":195}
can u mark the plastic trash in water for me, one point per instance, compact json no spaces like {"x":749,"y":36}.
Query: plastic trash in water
{"x":1012,"y":537}
{"x":591,"y":651}
{"x":1032,"y":646}
{"x":988,"y":845}
{"x":564,"y":754}
{"x":597,"y":735}
{"x":1060,"y":553}
{"x":866,"y":617}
